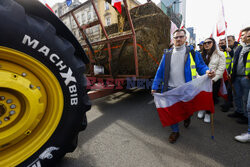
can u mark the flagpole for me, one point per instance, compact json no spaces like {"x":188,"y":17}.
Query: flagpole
{"x":212,"y":126}
{"x":225,"y":24}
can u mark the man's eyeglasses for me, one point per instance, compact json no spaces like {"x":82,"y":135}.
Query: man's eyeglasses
{"x":208,"y":42}
{"x":248,"y":36}
{"x":179,"y":37}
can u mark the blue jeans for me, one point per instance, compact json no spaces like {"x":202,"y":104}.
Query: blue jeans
{"x":241,"y":86}
{"x":248,"y":110}
{"x":175,"y":127}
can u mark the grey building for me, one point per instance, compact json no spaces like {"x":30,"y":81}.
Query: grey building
{"x":192,"y":37}
{"x":175,"y":9}
{"x":85,"y":14}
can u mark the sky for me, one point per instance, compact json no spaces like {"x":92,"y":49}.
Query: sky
{"x":203,"y":14}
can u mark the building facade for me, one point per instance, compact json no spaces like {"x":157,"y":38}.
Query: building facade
{"x":85,"y":14}
{"x":192,"y":37}
{"x":174,"y":9}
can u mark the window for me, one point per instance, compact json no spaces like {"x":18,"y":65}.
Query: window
{"x":73,"y":23}
{"x":108,"y":21}
{"x":96,"y":28}
{"x":77,"y":18}
{"x":106,"y":5}
{"x":94,"y":16}
{"x":90,"y":30}
{"x":83,"y":18}
{"x":89,"y":15}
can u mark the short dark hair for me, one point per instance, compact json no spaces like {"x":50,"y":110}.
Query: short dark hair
{"x":246,"y":29}
{"x":179,"y":30}
{"x":232,"y":36}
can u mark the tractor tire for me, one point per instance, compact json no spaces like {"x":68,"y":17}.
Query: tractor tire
{"x":43,"y":100}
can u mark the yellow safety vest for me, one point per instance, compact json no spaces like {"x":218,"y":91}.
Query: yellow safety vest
{"x":232,"y":65}
{"x":192,"y":66}
{"x":247,"y":71}
{"x":228,"y":59}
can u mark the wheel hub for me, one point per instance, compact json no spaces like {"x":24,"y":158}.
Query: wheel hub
{"x":31,"y":106}
{"x":20,"y":108}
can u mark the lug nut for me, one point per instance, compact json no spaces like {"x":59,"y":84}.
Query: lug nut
{"x":0,"y":122}
{"x":9,"y":101}
{"x":38,"y":87}
{"x":12,"y":112}
{"x":12,"y":106}
{"x":2,"y":97}
{"x":24,"y":74}
{"x":31,"y":86}
{"x":7,"y":118}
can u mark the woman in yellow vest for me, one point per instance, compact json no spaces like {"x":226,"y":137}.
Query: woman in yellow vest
{"x":216,"y":61}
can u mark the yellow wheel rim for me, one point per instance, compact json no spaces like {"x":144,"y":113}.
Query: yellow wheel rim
{"x":31,"y":106}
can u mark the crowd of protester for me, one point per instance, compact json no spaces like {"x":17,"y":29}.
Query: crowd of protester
{"x":237,"y":59}
{"x":228,"y":61}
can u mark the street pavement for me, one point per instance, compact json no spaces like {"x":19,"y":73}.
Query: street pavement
{"x":124,"y":131}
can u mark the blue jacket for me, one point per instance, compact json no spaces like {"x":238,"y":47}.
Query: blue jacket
{"x":161,"y":79}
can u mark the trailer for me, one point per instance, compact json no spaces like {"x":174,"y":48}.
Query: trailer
{"x":115,"y":48}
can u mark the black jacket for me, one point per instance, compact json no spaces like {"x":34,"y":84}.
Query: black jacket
{"x":236,"y":59}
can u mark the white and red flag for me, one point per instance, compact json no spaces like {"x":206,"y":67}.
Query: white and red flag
{"x":117,"y":4}
{"x":239,"y":36}
{"x":172,"y":30}
{"x":221,"y":25}
{"x":182,"y":24}
{"x":223,"y":90}
{"x":180,"y":103}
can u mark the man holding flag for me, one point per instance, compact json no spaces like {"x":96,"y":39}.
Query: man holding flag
{"x":178,"y":66}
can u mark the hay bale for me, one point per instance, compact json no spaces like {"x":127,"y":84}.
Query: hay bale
{"x":152,"y":28}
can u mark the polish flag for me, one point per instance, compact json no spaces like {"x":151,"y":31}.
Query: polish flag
{"x":212,"y":34}
{"x":239,"y":36}
{"x":182,"y":24}
{"x":225,"y":75}
{"x":221,"y":24}
{"x":45,"y":3}
{"x":172,"y":30}
{"x":118,"y":5}
{"x":223,"y":90}
{"x":180,"y":103}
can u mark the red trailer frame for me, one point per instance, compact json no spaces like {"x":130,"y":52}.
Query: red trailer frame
{"x":103,"y":89}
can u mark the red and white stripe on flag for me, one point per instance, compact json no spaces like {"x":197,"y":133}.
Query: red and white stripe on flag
{"x":182,"y":24}
{"x":45,"y":3}
{"x":172,"y":30}
{"x":178,"y":104}
{"x":239,"y":36}
{"x":118,"y":5}
{"x":221,"y":25}
{"x":221,"y":28}
{"x":223,"y":90}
